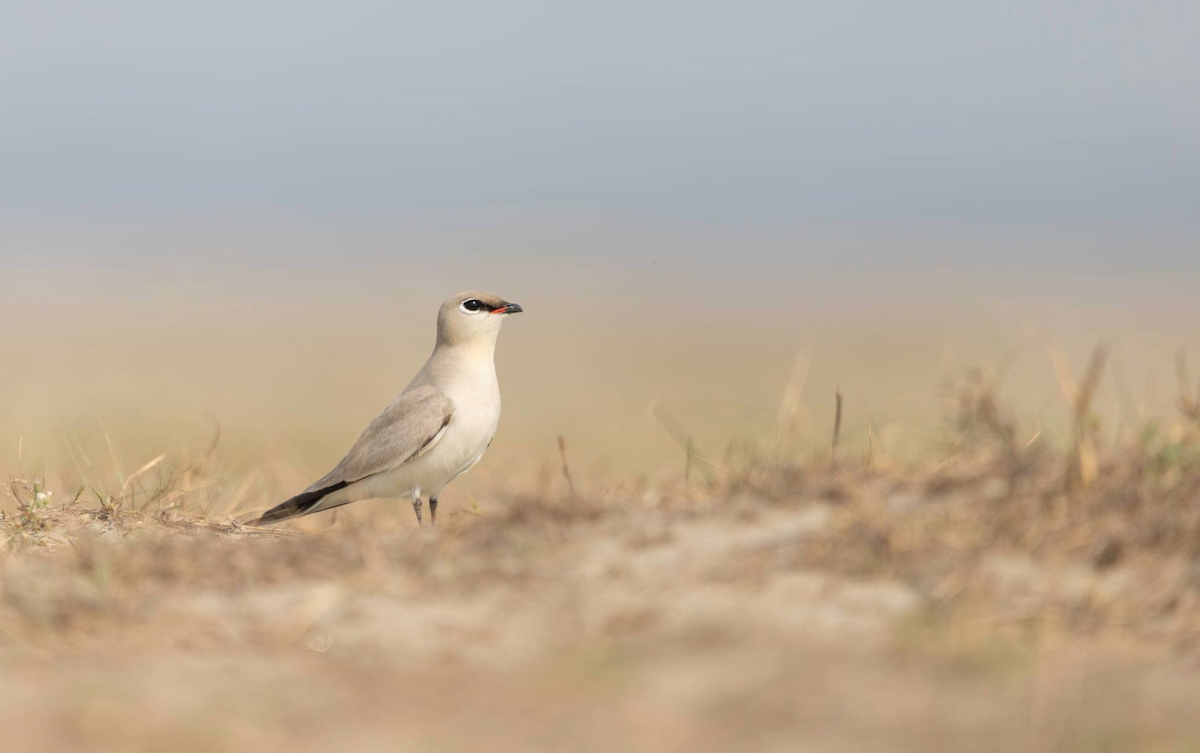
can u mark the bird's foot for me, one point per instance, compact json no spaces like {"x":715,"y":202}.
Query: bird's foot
{"x":417,"y":510}
{"x":432,"y":511}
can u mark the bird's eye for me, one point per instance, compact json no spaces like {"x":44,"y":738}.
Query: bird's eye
{"x":472,"y":304}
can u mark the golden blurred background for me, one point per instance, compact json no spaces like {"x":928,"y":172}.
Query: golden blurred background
{"x":630,"y":334}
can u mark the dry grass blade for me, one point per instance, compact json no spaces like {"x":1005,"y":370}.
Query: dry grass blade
{"x":1083,"y":463}
{"x":790,"y":401}
{"x":145,"y":468}
{"x":837,"y":423}
{"x":16,"y":495}
{"x":234,"y":503}
{"x":566,"y":466}
{"x":668,"y":421}
{"x":684,"y":439}
{"x":718,"y":466}
{"x":1062,"y":370}
{"x":1189,"y":401}
{"x":112,"y":453}
{"x":1091,"y":380}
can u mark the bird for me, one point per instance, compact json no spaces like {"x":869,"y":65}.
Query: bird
{"x":434,"y":431}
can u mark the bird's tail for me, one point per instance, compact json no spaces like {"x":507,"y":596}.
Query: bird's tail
{"x":298,"y":506}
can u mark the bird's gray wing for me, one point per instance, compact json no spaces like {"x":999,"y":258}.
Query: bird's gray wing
{"x":406,"y":429}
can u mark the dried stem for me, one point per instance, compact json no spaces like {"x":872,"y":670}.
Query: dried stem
{"x":566,"y":466}
{"x":837,"y":423}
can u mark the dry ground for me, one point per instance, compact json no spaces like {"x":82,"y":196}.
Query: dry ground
{"x":973,"y":606}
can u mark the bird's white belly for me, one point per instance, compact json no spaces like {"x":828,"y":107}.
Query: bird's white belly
{"x":461,"y":446}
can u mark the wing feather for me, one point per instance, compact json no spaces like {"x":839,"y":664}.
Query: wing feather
{"x":410,"y":426}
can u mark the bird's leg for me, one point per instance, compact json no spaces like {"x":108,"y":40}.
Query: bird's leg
{"x":433,"y":511}
{"x":417,"y":506}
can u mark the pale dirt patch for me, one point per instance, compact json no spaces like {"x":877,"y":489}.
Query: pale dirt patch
{"x":682,"y":622}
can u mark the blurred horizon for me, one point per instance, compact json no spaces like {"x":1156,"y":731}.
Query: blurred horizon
{"x":291,"y":362}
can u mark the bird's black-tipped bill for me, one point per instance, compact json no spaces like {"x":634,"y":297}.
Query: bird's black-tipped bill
{"x":508,"y":308}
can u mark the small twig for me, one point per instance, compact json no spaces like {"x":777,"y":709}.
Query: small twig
{"x":837,"y":423}
{"x":566,"y":467}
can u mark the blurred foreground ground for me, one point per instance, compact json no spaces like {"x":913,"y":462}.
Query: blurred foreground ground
{"x":976,"y":606}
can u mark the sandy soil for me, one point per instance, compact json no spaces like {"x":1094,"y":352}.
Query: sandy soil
{"x":664,"y":620}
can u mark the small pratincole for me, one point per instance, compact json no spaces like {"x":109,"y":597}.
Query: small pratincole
{"x":437,"y":428}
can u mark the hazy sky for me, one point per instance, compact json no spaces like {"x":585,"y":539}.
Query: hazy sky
{"x":957,"y":119}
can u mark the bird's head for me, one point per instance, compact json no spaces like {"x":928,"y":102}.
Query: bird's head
{"x":473,"y":316}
